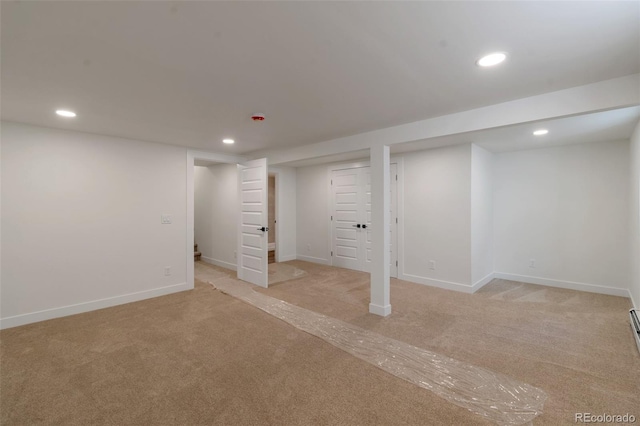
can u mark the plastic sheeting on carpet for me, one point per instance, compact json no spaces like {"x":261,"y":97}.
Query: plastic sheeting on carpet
{"x":494,"y":396}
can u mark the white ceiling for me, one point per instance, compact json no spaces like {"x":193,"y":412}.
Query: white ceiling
{"x":192,"y":73}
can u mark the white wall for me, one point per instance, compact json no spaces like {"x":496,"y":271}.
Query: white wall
{"x":81,"y":222}
{"x":216,"y":213}
{"x":634,"y":209}
{"x":312,"y":204}
{"x":437,"y":217}
{"x":481,"y":215}
{"x":286,"y":207}
{"x":567,"y":208}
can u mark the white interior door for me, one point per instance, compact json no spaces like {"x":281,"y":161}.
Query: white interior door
{"x":345,"y":185}
{"x":351,"y":219}
{"x":253,"y":226}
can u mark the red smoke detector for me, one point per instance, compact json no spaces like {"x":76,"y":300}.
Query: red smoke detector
{"x":257,"y":117}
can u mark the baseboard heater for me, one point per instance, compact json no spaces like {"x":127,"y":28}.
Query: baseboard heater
{"x":635,"y":326}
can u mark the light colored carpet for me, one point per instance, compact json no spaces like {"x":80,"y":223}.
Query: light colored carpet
{"x":281,"y":272}
{"x":207,"y":273}
{"x":278,"y":272}
{"x":576,"y":346}
{"x":201,"y":357}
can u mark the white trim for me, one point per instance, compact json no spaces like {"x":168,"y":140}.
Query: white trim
{"x":278,"y":236}
{"x":190,"y":278}
{"x":93,"y":305}
{"x":288,"y":257}
{"x":570,"y":285}
{"x":331,"y":214}
{"x":220,"y":263}
{"x":399,"y":161}
{"x":447,"y":285}
{"x":633,"y":302}
{"x":383,"y":311}
{"x":313,"y":259}
{"x":482,"y":282}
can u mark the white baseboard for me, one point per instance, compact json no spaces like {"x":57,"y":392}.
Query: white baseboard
{"x":313,"y":259}
{"x":219,"y":263}
{"x":383,"y":311}
{"x":633,"y":302}
{"x":287,"y":258}
{"x":570,"y":285}
{"x":447,"y":285}
{"x":93,"y":305}
{"x":482,"y":282}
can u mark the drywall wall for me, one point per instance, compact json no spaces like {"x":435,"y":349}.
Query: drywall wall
{"x":216,"y":213}
{"x":81,"y":221}
{"x":634,"y":217}
{"x":437,"y":217}
{"x":286,"y":207}
{"x":481,"y":215}
{"x":566,"y":209}
{"x":436,"y":221}
{"x":312,"y":203}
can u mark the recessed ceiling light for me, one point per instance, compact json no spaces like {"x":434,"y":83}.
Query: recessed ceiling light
{"x":541,"y":132}
{"x":65,"y":113}
{"x":491,"y":59}
{"x":228,"y":141}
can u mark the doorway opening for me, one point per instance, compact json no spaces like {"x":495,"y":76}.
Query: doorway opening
{"x":272,"y":215}
{"x":206,"y":159}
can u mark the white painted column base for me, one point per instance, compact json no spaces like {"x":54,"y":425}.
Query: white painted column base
{"x":383,"y":311}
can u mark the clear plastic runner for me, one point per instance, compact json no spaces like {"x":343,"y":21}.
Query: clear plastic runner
{"x":494,"y":396}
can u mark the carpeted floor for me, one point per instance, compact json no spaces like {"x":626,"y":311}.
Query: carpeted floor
{"x":281,"y":272}
{"x":202,"y":357}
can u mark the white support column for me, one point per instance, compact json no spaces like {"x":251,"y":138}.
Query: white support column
{"x":380,"y":216}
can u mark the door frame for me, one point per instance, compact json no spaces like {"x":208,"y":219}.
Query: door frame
{"x":399,"y":162}
{"x":276,"y":174}
{"x":192,"y":156}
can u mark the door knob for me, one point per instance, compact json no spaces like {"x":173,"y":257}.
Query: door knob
{"x":263,"y":229}
{"x":356,"y":226}
{"x":364,"y":226}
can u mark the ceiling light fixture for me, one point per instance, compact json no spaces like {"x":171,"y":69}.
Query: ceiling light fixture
{"x":491,"y":59}
{"x":228,"y":141}
{"x":541,"y":132}
{"x":65,"y":113}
